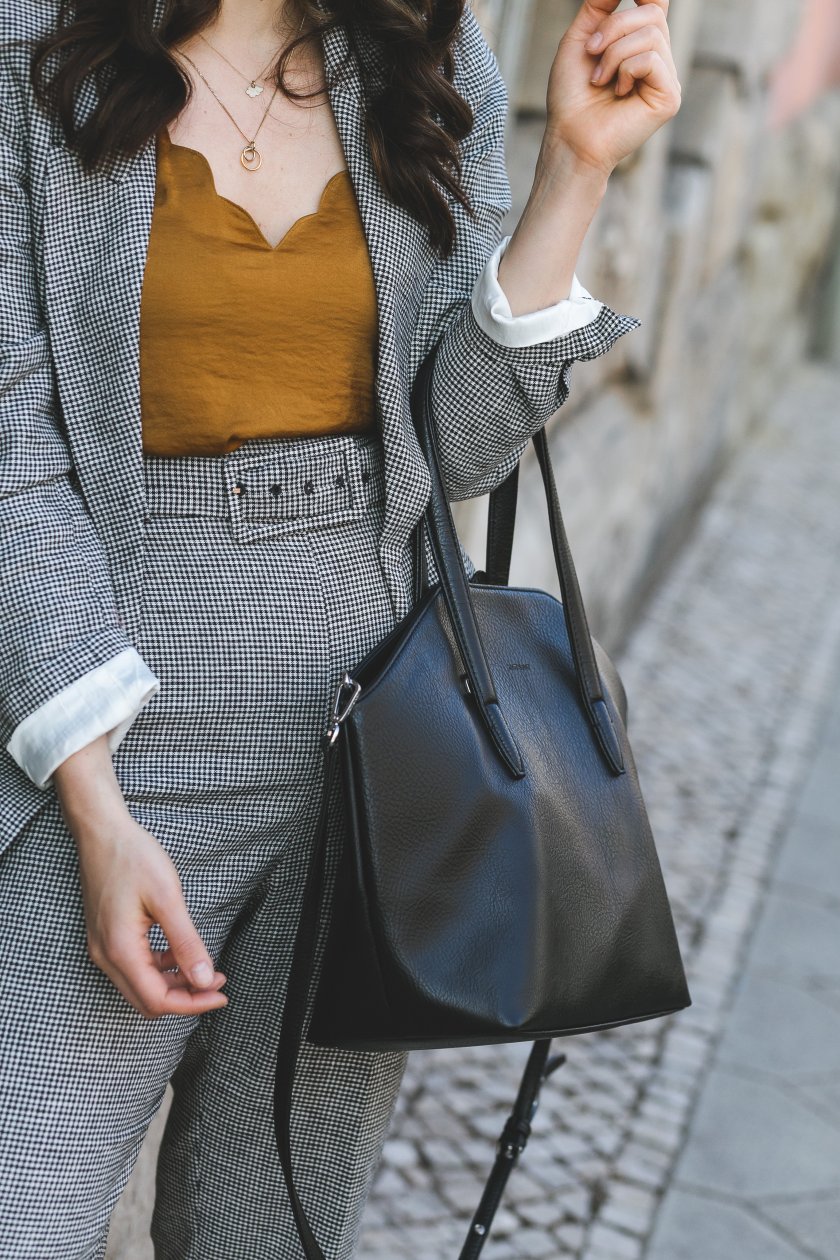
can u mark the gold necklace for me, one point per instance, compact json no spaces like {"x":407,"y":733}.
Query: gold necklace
{"x":254,"y":88}
{"x":250,"y":157}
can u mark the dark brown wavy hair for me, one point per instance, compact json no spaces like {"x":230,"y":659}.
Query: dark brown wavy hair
{"x":414,"y":117}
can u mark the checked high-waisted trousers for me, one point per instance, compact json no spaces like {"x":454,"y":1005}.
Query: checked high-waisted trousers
{"x":262,"y":585}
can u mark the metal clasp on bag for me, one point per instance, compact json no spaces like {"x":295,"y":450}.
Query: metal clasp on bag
{"x":341,"y":707}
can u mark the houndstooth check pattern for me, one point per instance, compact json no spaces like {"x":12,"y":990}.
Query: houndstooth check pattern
{"x":246,"y":607}
{"x":253,"y":606}
{"x":72,"y":253}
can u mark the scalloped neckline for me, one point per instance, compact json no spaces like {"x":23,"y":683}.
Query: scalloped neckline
{"x":235,"y":204}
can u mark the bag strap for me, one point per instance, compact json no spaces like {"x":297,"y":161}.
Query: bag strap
{"x":453,"y":581}
{"x":511,"y":1143}
{"x":294,"y":1009}
{"x":501,"y":521}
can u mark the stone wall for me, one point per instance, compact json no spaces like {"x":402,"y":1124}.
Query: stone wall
{"x":714,"y":234}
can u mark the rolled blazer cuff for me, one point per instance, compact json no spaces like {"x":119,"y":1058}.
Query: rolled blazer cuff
{"x":106,"y":699}
{"x":489,"y":399}
{"x":491,"y":309}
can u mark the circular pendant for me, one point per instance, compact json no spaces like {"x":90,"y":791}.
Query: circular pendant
{"x":254,"y":89}
{"x":250,"y":157}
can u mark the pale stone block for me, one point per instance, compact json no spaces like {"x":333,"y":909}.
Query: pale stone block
{"x":687,"y":204}
{"x":750,"y":36}
{"x":612,"y":1243}
{"x":629,"y":1208}
{"x":550,"y":20}
{"x":718,"y":127}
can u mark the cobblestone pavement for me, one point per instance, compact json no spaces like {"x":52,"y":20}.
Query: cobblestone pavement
{"x":759,"y":1175}
{"x":727,"y":677}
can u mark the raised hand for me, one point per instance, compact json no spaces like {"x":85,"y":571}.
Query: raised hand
{"x":612,"y":83}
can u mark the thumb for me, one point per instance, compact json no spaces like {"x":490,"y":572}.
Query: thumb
{"x":187,"y":947}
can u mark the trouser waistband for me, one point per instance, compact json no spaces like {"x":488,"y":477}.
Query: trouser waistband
{"x":279,"y":484}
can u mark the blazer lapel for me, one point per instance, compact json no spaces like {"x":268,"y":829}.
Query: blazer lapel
{"x":399,"y":254}
{"x":96,"y":231}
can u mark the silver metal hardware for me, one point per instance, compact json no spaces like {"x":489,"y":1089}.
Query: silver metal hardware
{"x":479,"y":1229}
{"x":341,"y":708}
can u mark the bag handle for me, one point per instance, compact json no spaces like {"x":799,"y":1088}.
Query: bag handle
{"x":453,"y":580}
{"x":455,"y":585}
{"x":501,"y":521}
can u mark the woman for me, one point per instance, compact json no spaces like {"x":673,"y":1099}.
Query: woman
{"x":215,"y":294}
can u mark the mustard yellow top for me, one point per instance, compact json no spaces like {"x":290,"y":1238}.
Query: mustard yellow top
{"x":241,"y":340}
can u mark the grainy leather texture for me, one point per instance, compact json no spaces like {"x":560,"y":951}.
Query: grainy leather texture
{"x":474,"y":906}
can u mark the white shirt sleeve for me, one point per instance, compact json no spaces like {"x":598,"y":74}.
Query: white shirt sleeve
{"x":493,"y":314}
{"x":104,"y":700}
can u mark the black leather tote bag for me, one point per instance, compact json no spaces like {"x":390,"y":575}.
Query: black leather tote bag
{"x":499,"y":881}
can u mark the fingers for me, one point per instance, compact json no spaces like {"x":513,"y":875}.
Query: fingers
{"x":186,"y":945}
{"x":647,"y":66}
{"x":635,"y":46}
{"x":130,"y":965}
{"x":598,"y":8}
{"x":144,"y":976}
{"x":648,"y":39}
{"x":154,"y":993}
{"x":611,"y":28}
{"x":164,"y":960}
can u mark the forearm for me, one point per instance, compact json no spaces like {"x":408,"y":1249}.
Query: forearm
{"x":88,"y":790}
{"x":538,"y":266}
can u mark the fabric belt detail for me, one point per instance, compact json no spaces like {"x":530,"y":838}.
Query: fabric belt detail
{"x":271,"y":486}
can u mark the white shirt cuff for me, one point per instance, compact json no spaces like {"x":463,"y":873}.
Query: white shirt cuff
{"x":105,"y":699}
{"x":493,"y":314}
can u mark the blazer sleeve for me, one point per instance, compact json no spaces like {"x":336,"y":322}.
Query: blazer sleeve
{"x":489,"y":397}
{"x":58,"y":617}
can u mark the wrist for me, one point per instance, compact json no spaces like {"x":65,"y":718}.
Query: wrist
{"x":89,"y":793}
{"x":560,"y":166}
{"x":93,"y":823}
{"x":537,"y":268}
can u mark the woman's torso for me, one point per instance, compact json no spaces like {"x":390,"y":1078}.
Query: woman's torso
{"x":258,"y":314}
{"x":243,"y":339}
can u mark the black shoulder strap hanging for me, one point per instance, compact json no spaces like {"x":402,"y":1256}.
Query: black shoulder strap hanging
{"x":294,"y":1010}
{"x":511,"y":1144}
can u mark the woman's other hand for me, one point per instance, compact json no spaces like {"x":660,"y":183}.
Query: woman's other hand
{"x":130,"y":883}
{"x":612,"y":83}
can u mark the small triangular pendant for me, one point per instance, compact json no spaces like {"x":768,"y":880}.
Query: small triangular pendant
{"x":254,"y":89}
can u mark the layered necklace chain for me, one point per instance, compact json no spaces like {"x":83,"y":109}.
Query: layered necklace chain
{"x":254,"y":87}
{"x":250,"y":156}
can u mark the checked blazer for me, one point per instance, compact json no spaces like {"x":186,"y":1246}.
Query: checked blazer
{"x":72,"y":254}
